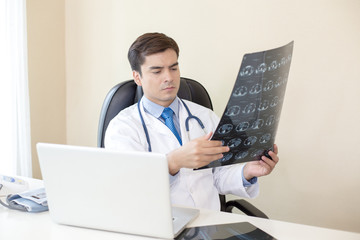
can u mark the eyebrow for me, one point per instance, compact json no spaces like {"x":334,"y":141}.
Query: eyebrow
{"x":157,"y":67}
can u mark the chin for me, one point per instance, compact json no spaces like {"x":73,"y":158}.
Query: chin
{"x":168,"y":99}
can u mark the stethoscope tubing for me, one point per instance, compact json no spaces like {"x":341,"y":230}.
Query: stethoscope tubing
{"x":190,"y":116}
{"x":144,"y":127}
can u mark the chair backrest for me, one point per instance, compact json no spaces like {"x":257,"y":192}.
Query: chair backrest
{"x":127,"y":93}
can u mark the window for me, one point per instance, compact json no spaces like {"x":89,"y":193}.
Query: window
{"x":15,"y":155}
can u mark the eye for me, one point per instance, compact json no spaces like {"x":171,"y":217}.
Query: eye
{"x":174,"y":69}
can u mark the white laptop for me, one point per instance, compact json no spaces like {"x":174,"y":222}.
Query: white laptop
{"x":124,"y":192}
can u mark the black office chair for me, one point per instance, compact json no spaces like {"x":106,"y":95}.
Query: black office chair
{"x":127,"y":93}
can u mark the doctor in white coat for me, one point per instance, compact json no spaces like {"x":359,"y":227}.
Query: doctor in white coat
{"x":154,"y":61}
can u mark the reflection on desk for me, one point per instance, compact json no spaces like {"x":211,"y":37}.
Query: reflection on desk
{"x":240,"y":230}
{"x":16,"y":225}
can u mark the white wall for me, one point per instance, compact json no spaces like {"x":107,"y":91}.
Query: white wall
{"x":317,"y":181}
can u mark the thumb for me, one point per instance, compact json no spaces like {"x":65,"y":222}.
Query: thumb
{"x":207,"y":136}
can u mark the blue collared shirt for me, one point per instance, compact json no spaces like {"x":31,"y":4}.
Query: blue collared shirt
{"x":156,"y":111}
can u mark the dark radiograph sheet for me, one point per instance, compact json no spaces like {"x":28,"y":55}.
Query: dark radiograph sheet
{"x":250,"y":120}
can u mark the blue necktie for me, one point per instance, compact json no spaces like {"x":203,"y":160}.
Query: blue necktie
{"x":167,"y":115}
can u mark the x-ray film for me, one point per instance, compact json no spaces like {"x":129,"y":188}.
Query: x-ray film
{"x":250,"y":120}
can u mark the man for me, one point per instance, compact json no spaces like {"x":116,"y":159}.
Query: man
{"x":154,"y":61}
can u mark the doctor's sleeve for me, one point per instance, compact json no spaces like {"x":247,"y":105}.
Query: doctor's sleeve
{"x":229,"y":180}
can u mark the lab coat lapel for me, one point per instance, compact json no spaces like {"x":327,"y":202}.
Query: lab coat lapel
{"x":154,"y":124}
{"x":160,"y":135}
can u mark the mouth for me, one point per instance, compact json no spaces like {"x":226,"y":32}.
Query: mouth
{"x":169,"y":88}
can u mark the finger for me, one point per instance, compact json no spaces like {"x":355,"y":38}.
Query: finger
{"x":274,"y":156}
{"x":268,"y":161}
{"x":210,"y":148}
{"x":212,"y":143}
{"x":216,"y":150}
{"x":276,"y":149}
{"x":207,"y":136}
{"x":206,"y":159}
{"x":211,"y":158}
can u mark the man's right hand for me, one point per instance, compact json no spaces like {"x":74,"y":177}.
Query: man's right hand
{"x":195,"y":154}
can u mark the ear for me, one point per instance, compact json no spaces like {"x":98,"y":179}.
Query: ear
{"x":137,"y":77}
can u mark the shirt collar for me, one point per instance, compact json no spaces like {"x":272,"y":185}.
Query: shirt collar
{"x":156,"y":109}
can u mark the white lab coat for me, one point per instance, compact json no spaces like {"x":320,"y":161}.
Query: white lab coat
{"x":188,"y":187}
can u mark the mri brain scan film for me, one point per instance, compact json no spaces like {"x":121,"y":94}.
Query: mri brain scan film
{"x":250,"y":120}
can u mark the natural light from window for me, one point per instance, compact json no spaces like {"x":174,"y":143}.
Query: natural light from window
{"x":6,"y":128}
{"x":15,"y":158}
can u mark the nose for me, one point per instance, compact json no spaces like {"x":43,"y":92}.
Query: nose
{"x":168,"y":77}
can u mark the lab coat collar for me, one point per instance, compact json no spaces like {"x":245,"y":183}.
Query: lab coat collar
{"x":153,"y":124}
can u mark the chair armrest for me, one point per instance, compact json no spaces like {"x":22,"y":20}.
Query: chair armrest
{"x":245,"y":207}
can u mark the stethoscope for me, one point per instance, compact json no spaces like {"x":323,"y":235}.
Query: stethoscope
{"x":190,"y":116}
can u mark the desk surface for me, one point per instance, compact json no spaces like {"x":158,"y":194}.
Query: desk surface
{"x":19,"y":225}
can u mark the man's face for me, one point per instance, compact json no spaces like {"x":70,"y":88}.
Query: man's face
{"x":160,"y":78}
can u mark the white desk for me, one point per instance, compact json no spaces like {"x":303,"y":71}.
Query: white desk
{"x":16,"y":225}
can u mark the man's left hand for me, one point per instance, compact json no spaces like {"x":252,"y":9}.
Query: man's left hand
{"x":261,"y":167}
